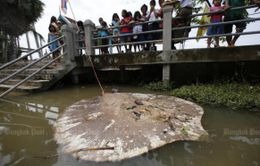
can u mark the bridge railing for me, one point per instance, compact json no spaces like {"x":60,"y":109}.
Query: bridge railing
{"x":92,"y":44}
{"x":32,"y":52}
{"x":30,"y":64}
{"x":112,"y":37}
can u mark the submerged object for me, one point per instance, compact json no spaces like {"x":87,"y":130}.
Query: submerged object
{"x":123,"y":125}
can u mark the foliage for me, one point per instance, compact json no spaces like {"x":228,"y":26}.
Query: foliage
{"x":158,"y":86}
{"x":233,"y":95}
{"x":18,"y":15}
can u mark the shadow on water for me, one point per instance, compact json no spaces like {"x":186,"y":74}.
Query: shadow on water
{"x":26,"y":134}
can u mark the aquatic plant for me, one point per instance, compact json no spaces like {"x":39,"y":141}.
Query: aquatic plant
{"x":158,"y":86}
{"x":233,"y":95}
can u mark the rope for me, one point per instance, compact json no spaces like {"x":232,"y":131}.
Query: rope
{"x":92,"y":65}
{"x":94,"y":71}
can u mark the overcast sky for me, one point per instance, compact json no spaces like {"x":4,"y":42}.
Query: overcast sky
{"x":94,"y":9}
{"x":84,"y":9}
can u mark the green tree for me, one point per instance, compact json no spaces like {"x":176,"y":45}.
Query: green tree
{"x":16,"y":18}
{"x":18,"y":15}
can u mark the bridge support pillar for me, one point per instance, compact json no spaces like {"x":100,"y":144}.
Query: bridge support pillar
{"x":75,"y":79}
{"x":122,"y":74}
{"x":167,"y":42}
{"x":166,"y":74}
{"x":89,"y":26}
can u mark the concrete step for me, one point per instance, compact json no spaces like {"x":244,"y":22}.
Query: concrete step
{"x":21,"y":64}
{"x":38,"y":76}
{"x":41,"y":81}
{"x":30,"y":71}
{"x":21,"y":87}
{"x":28,"y":83}
{"x":24,"y":63}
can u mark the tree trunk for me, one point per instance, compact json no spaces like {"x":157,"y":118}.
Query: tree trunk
{"x":12,"y":49}
{"x":3,"y":47}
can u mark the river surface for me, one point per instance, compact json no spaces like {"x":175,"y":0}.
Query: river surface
{"x":26,"y":134}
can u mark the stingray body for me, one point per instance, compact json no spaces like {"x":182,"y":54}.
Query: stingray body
{"x":123,"y":125}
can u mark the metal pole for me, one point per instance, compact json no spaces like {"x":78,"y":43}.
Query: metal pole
{"x":34,"y":51}
{"x":27,"y":66}
{"x":29,"y":77}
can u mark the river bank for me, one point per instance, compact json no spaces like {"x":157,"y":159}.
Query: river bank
{"x":237,"y":96}
{"x":27,"y":133}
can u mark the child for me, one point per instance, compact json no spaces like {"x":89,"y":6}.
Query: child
{"x":116,"y":32}
{"x":53,"y":34}
{"x":144,"y":18}
{"x":81,"y":36}
{"x":103,"y":33}
{"x":215,"y":18}
{"x":125,"y":29}
{"x":137,"y":29}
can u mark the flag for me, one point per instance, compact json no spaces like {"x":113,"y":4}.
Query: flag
{"x":205,"y":19}
{"x":64,"y":6}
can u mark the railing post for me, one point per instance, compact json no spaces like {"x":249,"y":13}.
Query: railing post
{"x":70,"y":43}
{"x":89,"y":26}
{"x":167,"y":41}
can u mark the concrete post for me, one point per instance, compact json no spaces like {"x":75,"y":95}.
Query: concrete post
{"x":167,"y":41}
{"x":122,"y":74}
{"x":70,"y":48}
{"x":89,"y":26}
{"x":75,"y":79}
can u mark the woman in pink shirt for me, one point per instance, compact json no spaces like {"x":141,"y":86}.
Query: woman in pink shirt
{"x":215,"y":18}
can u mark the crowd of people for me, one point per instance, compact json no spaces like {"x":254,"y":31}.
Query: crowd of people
{"x":128,"y":29}
{"x":130,"y":26}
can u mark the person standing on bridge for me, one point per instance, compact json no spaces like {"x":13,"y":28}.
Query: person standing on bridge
{"x":137,"y":28}
{"x":53,"y":34}
{"x":160,"y":15}
{"x":153,"y":24}
{"x":144,"y":18}
{"x":184,"y":12}
{"x":215,"y":18}
{"x":233,"y":15}
{"x":125,"y":29}
{"x":116,"y":32}
{"x":81,"y":34}
{"x":103,"y":32}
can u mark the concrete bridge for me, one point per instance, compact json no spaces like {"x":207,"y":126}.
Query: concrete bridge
{"x":167,"y":62}
{"x":166,"y":65}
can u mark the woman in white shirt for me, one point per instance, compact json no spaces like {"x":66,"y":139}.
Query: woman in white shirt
{"x":153,"y":16}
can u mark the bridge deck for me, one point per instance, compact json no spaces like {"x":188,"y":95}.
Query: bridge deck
{"x":222,"y":54}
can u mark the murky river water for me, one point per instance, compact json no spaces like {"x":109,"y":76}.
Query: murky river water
{"x":26,"y":135}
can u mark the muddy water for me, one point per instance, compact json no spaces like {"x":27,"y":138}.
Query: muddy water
{"x":26,"y":134}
